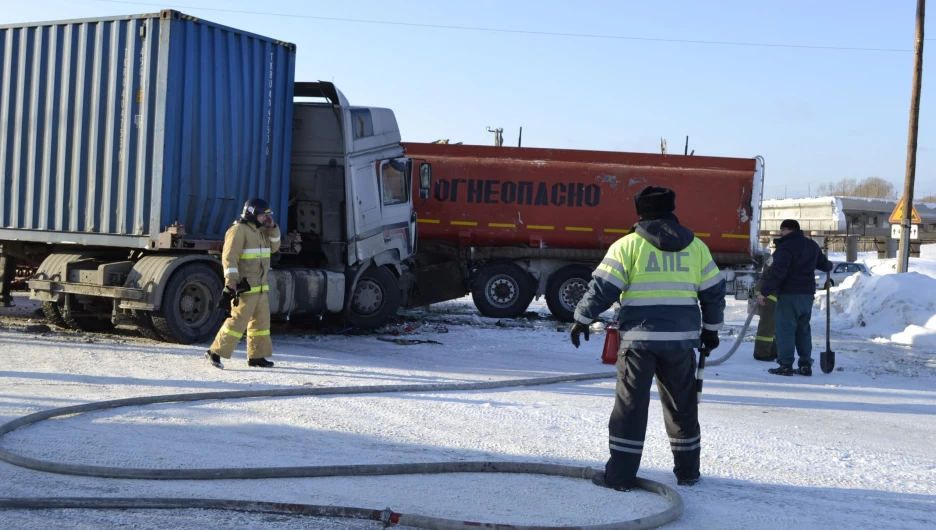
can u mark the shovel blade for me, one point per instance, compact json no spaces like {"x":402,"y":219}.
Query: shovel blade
{"x":827,"y":361}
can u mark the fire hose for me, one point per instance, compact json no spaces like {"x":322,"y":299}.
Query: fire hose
{"x":386,"y":516}
{"x":747,"y":323}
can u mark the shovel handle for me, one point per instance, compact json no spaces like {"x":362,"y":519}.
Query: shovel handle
{"x":828,"y":312}
{"x":700,"y":372}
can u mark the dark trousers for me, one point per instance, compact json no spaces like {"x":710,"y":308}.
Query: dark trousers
{"x":7,"y":272}
{"x":794,"y":312}
{"x":675,"y":373}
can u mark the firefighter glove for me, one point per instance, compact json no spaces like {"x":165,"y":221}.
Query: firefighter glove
{"x":577,"y":329}
{"x":709,"y":339}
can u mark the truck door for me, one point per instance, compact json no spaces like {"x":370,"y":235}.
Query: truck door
{"x":366,"y":203}
{"x":396,"y":203}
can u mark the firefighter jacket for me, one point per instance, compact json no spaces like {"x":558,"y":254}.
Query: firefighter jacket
{"x":247,"y":251}
{"x":660,"y":274}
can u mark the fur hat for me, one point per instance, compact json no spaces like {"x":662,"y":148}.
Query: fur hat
{"x":655,"y":200}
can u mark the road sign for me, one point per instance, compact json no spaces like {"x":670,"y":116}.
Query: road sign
{"x":914,"y":231}
{"x":897,"y":215}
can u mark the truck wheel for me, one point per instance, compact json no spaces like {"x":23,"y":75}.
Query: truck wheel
{"x":565,"y":289}
{"x":375,"y":300}
{"x":53,"y":314}
{"x":190,"y":312}
{"x":502,"y":290}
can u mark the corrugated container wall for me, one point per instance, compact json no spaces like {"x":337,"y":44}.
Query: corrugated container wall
{"x":113,"y":129}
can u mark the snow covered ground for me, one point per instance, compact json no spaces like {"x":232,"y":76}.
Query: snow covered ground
{"x":850,"y":449}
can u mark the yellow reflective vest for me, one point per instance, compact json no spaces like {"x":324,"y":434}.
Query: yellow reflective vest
{"x":660,"y":292}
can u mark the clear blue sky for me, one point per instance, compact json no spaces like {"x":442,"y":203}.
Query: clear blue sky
{"x":815,"y":115}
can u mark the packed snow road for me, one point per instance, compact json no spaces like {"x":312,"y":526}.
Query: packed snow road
{"x":852,"y":448}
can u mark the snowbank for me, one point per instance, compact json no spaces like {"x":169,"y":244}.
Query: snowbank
{"x":898,"y":308}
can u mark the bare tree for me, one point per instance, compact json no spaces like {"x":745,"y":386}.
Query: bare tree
{"x":928,"y":198}
{"x":871,"y":187}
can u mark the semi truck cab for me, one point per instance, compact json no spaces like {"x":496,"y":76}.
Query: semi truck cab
{"x":350,"y":197}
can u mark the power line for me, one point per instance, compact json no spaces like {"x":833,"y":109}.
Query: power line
{"x":516,"y":31}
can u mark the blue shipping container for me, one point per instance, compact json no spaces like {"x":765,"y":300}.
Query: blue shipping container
{"x":113,"y":129}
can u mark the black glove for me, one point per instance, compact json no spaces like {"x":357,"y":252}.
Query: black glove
{"x":709,"y":339}
{"x":577,"y":329}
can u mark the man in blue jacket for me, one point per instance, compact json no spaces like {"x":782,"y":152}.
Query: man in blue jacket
{"x":660,"y":273}
{"x":792,"y":279}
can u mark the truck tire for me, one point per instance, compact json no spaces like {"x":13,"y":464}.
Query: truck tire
{"x":375,"y":300}
{"x":189,"y":313}
{"x":565,"y":289}
{"x":502,"y":290}
{"x":53,"y":314}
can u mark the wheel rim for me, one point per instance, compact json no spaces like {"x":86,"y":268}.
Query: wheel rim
{"x":368,"y":297}
{"x":571,"y":292}
{"x":195,"y":304}
{"x":502,"y":291}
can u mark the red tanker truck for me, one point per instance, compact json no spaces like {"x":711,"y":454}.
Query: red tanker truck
{"x":509,"y":224}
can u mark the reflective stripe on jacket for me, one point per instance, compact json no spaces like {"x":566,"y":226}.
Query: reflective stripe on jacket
{"x":660,"y":293}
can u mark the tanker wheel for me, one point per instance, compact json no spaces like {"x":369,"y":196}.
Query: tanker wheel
{"x":189,"y":313}
{"x":53,"y":313}
{"x":375,"y":300}
{"x":565,"y":289}
{"x":502,"y":290}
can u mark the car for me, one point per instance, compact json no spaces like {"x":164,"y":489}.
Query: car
{"x":840,"y":271}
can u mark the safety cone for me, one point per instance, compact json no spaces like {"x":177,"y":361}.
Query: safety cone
{"x":612,"y":343}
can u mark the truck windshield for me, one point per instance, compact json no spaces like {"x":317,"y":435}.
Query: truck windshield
{"x":393,"y":182}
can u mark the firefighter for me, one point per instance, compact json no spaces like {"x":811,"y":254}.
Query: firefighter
{"x":660,"y":273}
{"x":765,"y":347}
{"x":248,"y":246}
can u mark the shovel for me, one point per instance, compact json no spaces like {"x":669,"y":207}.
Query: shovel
{"x":827,"y":358}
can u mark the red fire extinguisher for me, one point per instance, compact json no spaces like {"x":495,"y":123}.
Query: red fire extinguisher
{"x":612,"y":344}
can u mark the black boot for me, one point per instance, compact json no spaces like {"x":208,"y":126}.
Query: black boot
{"x":688,"y":481}
{"x":783,"y":369}
{"x":214,"y":359}
{"x":599,"y":480}
{"x":262,"y":363}
{"x":804,"y":370}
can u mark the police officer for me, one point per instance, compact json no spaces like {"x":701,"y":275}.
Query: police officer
{"x":660,"y":273}
{"x":248,"y":246}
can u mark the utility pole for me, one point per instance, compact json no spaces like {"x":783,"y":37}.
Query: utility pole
{"x":903,"y":250}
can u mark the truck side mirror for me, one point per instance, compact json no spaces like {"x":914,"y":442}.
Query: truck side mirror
{"x":425,"y":180}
